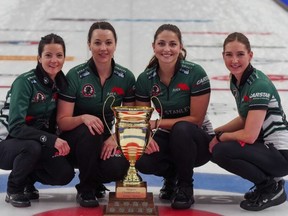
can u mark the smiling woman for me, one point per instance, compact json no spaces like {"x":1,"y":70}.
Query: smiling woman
{"x":181,"y":144}
{"x":253,"y":145}
{"x":32,"y":141}
{"x":80,"y":114}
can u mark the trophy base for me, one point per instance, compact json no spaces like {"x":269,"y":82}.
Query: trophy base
{"x":131,"y":191}
{"x":128,"y":207}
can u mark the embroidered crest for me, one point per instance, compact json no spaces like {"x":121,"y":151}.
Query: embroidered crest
{"x":88,"y":90}
{"x":156,"y":90}
{"x":39,"y":97}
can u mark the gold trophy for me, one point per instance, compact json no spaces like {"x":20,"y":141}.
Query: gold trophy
{"x":133,"y":133}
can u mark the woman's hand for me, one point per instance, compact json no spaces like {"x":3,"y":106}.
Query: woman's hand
{"x":62,"y":147}
{"x":93,"y":123}
{"x":212,"y":143}
{"x":152,"y":147}
{"x":109,"y":148}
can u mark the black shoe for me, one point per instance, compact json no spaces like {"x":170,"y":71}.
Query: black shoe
{"x":31,"y":192}
{"x":253,"y":192}
{"x":183,"y":198}
{"x":18,"y":200}
{"x":87,"y":199}
{"x":271,"y":195}
{"x":100,"y":191}
{"x":167,"y":189}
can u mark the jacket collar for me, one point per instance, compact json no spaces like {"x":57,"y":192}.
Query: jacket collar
{"x":45,"y":80}
{"x":177,"y":67}
{"x":246,"y":74}
{"x":92,"y":65}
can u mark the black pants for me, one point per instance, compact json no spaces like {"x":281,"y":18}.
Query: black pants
{"x":85,"y":155}
{"x":256,"y":163}
{"x":184,"y":148}
{"x":31,"y":162}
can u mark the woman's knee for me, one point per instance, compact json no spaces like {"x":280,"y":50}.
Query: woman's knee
{"x":183,"y":126}
{"x":224,"y":150}
{"x":76,"y":133}
{"x":32,"y":149}
{"x":81,"y":139}
{"x":218,"y":150}
{"x":113,"y":169}
{"x":144,"y":165}
{"x":81,"y":132}
{"x":64,"y":176}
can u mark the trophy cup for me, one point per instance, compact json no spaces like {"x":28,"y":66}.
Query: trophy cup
{"x":132,"y":130}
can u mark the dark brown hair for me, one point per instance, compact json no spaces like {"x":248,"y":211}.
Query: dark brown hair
{"x":101,"y":25}
{"x":236,"y":36}
{"x":51,"y":39}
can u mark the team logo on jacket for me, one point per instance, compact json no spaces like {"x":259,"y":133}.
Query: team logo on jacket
{"x":235,"y":93}
{"x":46,"y":80}
{"x":246,"y":98}
{"x":156,"y":90}
{"x":88,"y":90}
{"x":39,"y":97}
{"x":43,"y":138}
{"x":117,"y":90}
{"x":182,"y":87}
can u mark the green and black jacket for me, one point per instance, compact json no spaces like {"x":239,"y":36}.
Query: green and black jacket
{"x":32,"y":110}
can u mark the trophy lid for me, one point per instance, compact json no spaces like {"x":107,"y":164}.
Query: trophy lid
{"x":133,"y":108}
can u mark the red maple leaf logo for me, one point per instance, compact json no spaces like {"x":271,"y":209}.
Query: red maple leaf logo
{"x":118,"y":91}
{"x":246,"y":98}
{"x":183,"y":86}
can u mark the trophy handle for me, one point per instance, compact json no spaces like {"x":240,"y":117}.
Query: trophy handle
{"x":160,"y":119}
{"x":103,"y":113}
